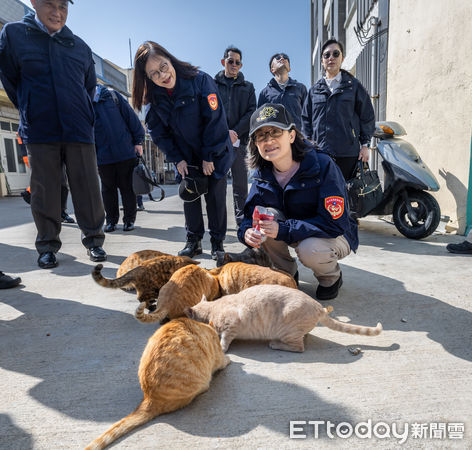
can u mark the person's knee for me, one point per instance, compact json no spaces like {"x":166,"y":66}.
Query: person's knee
{"x":312,"y":256}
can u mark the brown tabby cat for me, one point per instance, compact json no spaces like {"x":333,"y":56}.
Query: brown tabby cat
{"x":280,"y":314}
{"x":177,"y":365}
{"x":147,"y":278}
{"x":236,"y":276}
{"x":189,"y":285}
{"x":249,"y":256}
{"x":137,"y":258}
{"x":185,"y":288}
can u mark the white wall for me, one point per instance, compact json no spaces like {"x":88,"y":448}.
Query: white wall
{"x":430,"y":91}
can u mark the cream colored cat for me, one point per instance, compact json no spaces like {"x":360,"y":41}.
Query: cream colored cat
{"x":176,"y":366}
{"x":277,"y":313}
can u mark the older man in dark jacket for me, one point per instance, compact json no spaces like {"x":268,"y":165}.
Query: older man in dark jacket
{"x":239,"y":101}
{"x":118,"y":138}
{"x":48,"y":74}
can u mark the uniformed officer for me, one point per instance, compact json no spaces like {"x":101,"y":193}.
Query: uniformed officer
{"x":187,"y":122}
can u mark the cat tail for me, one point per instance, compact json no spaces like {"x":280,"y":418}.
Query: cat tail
{"x":349,"y":328}
{"x":121,"y":282}
{"x":155,"y":316}
{"x":142,"y":414}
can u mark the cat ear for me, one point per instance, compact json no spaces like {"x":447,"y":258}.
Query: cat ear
{"x":204,"y":299}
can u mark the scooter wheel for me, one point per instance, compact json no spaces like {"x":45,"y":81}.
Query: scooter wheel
{"x":427,"y":211}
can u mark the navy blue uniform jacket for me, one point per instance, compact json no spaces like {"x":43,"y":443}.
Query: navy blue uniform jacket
{"x":117,"y":128}
{"x":292,"y":97}
{"x":305,"y":201}
{"x":341,"y":121}
{"x":186,"y":127}
{"x":51,"y":80}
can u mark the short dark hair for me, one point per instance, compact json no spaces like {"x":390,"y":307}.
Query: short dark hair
{"x":142,"y":85}
{"x":332,"y":41}
{"x":234,"y":50}
{"x":256,"y":161}
{"x":277,"y":54}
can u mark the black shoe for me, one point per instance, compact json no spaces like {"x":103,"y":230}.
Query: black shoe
{"x":328,"y":293}
{"x":97,"y":254}
{"x":66,"y":218}
{"x":216,"y":246}
{"x":140,"y":208}
{"x":26,"y":196}
{"x":7,"y":282}
{"x":47,"y":260}
{"x":464,"y":248}
{"x":128,"y":226}
{"x":191,"y":249}
{"x":110,"y":227}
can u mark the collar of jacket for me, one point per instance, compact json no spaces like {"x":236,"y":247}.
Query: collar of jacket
{"x":290,"y":82}
{"x":309,"y":167}
{"x":183,"y":89}
{"x":219,"y":77}
{"x":65,"y":37}
{"x":346,"y":81}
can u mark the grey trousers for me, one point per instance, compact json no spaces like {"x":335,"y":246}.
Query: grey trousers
{"x":80,"y":161}
{"x":318,"y":254}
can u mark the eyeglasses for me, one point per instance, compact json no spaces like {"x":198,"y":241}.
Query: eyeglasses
{"x":279,"y":57}
{"x":273,"y":133}
{"x":327,"y":55}
{"x":156,"y":74}
{"x":232,"y":61}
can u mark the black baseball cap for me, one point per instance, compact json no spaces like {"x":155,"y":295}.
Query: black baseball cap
{"x":193,"y":186}
{"x":271,"y":115}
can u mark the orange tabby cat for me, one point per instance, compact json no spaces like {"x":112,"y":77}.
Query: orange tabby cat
{"x":185,"y":288}
{"x":236,"y":276}
{"x":137,"y":258}
{"x":277,"y":313}
{"x":147,"y":278}
{"x":176,"y":366}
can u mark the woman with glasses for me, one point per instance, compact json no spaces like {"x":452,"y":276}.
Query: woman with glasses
{"x":338,"y":114}
{"x":306,"y":191}
{"x":185,"y":119}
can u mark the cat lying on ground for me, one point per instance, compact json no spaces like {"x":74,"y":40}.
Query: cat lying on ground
{"x":249,"y":256}
{"x":147,"y":278}
{"x":188,"y":284}
{"x":176,"y":366}
{"x":280,"y":314}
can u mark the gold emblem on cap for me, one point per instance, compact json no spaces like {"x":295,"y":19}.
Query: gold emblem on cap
{"x":267,"y":112}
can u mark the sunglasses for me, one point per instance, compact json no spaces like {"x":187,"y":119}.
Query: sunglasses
{"x":327,"y":55}
{"x":274,"y":133}
{"x":279,"y":57}
{"x":232,"y":61}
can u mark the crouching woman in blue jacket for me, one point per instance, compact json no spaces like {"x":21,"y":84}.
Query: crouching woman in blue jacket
{"x":306,"y":189}
{"x":185,"y":119}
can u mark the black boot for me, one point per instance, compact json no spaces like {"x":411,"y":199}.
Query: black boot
{"x":192,"y":248}
{"x":216,"y":246}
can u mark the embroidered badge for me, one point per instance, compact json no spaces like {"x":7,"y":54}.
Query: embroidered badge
{"x":213,"y":102}
{"x":267,"y":113}
{"x":335,"y":206}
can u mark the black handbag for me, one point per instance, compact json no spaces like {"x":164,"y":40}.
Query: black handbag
{"x":144,"y":181}
{"x":364,"y":191}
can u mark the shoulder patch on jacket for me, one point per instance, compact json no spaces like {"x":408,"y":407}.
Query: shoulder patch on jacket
{"x":213,"y":101}
{"x":335,"y":206}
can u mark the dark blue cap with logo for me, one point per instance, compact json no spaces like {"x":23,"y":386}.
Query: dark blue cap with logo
{"x":271,"y":115}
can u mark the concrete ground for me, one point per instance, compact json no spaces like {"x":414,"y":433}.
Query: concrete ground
{"x":70,"y":349}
